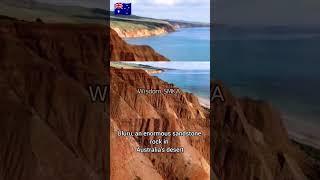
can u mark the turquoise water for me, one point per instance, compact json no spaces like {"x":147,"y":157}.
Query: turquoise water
{"x":190,"y":76}
{"x":194,"y":81}
{"x":279,"y":67}
{"x":186,"y":44}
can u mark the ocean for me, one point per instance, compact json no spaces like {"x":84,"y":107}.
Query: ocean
{"x":194,"y":81}
{"x":186,"y":44}
{"x":193,"y":77}
{"x":281,"y":67}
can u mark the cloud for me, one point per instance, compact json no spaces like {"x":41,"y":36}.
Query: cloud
{"x":192,"y":10}
{"x":165,"y":2}
{"x":179,"y":2}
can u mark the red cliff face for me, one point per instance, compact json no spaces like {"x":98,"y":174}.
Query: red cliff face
{"x":73,"y":42}
{"x":131,"y":111}
{"x":250,"y":142}
{"x":122,"y":51}
{"x":68,"y":46}
{"x":50,"y":129}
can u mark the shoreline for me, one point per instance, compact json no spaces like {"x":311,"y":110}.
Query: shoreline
{"x":151,"y":72}
{"x":147,"y":33}
{"x":293,"y":135}
{"x":296,"y":130}
{"x":304,"y":140}
{"x":176,"y":46}
{"x":204,"y":102}
{"x":142,"y":33}
{"x":300,"y":131}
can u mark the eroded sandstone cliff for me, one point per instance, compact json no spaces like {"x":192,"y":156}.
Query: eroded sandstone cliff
{"x":250,"y":142}
{"x":134,"y":112}
{"x":122,"y":51}
{"x":143,"y":32}
{"x":50,"y":129}
{"x":56,"y":40}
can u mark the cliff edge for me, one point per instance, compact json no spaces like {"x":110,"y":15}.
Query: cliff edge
{"x":50,"y":129}
{"x":122,"y":51}
{"x":136,"y":112}
{"x":250,"y":142}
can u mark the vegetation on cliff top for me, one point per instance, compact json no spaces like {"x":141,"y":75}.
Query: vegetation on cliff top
{"x":123,"y":65}
{"x":52,"y":13}
{"x":137,"y":22}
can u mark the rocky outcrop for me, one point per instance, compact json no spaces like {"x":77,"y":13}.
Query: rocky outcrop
{"x":138,"y":33}
{"x":134,"y":112}
{"x":154,"y":71}
{"x":150,"y":27}
{"x":50,"y":129}
{"x":250,"y":142}
{"x":122,"y":51}
{"x":53,"y":40}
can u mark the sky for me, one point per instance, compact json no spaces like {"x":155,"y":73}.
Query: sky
{"x":234,"y":12}
{"x":84,"y":3}
{"x":188,"y":10}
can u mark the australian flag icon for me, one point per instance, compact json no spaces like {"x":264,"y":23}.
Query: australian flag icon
{"x":122,"y":9}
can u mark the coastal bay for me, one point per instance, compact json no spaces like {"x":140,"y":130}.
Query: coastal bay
{"x":185,"y":44}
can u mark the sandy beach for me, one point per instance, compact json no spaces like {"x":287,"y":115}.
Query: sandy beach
{"x":303,"y":139}
{"x":204,"y":102}
{"x":302,"y":131}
